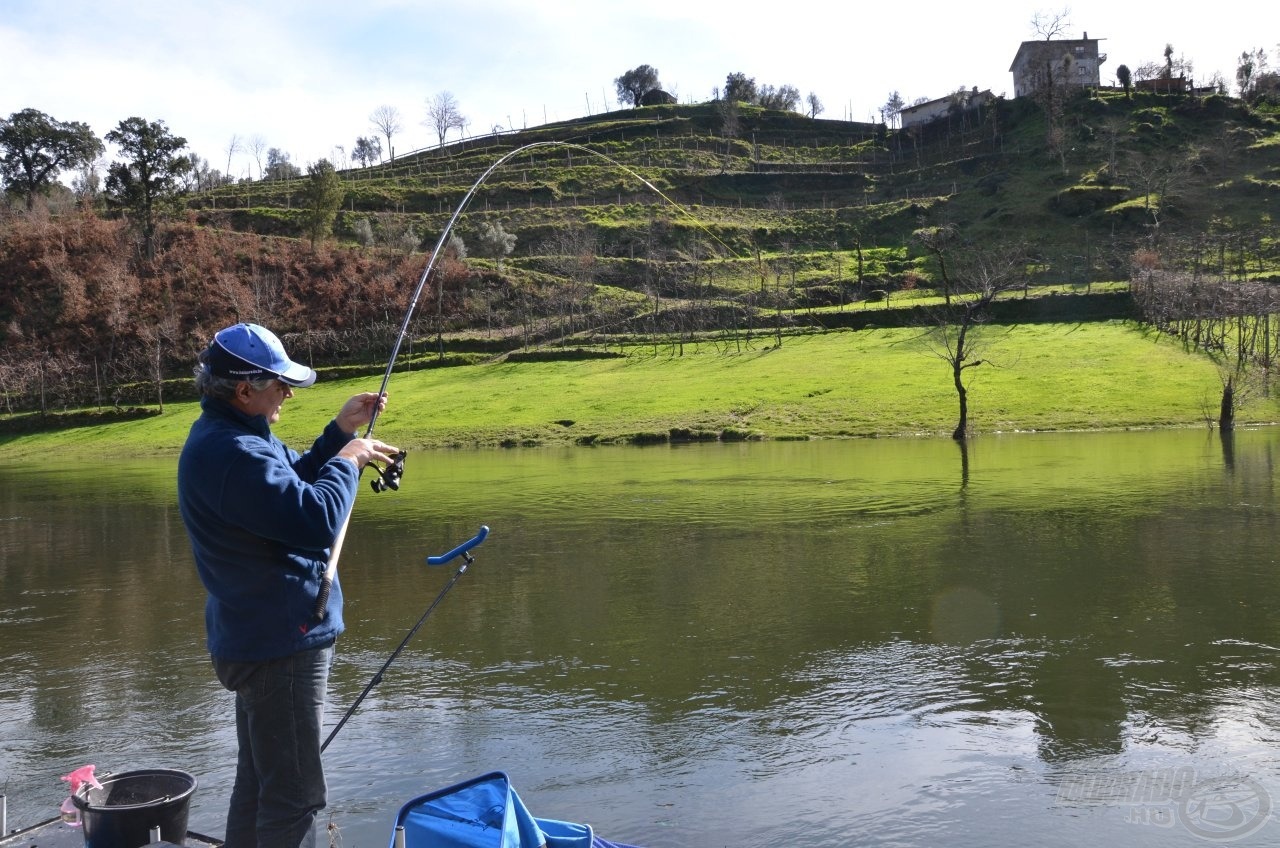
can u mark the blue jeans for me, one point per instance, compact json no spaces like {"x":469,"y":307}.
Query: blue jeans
{"x":279,"y":784}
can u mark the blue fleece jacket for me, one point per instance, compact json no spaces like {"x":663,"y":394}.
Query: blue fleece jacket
{"x":262,"y":519}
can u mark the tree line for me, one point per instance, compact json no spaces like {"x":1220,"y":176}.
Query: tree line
{"x":635,"y":85}
{"x":1217,"y":310}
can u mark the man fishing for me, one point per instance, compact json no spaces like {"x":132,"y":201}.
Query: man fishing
{"x":262,"y":519}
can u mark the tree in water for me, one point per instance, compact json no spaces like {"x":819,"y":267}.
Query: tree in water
{"x":981,"y":276}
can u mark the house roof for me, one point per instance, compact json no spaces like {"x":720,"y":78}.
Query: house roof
{"x":1041,"y":45}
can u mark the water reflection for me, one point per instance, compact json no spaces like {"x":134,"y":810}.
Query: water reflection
{"x":720,"y":644}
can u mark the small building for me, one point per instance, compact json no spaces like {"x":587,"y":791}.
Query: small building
{"x":1059,"y":62}
{"x":656,"y":97}
{"x":1164,"y":85}
{"x":955,"y":103}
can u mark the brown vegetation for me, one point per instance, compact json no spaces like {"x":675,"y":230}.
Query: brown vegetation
{"x":85,"y":320}
{"x":1232,"y":321}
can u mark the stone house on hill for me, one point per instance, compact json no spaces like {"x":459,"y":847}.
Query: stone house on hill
{"x":1164,"y":85}
{"x":959,"y":102}
{"x":1056,"y":62}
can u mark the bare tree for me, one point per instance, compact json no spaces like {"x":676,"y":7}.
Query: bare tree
{"x":1049,"y":25}
{"x":1230,"y":321}
{"x":258,"y":147}
{"x":157,"y":340}
{"x":341,"y":160}
{"x":234,"y":146}
{"x":387,"y":120}
{"x":1159,"y":176}
{"x":574,"y":257}
{"x":443,"y":114}
{"x":1052,"y":87}
{"x":981,"y":275}
{"x":939,"y":241}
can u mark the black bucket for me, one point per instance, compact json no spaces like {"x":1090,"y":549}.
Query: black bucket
{"x":123,"y":813}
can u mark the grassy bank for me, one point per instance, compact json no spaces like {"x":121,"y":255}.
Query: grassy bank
{"x":841,"y":384}
{"x":882,"y":383}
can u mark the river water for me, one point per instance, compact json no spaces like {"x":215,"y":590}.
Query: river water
{"x":1061,"y":639}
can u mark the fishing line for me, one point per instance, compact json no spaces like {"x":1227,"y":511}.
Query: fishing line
{"x":390,"y":477}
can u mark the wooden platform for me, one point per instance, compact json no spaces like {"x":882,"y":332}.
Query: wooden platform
{"x":55,"y":833}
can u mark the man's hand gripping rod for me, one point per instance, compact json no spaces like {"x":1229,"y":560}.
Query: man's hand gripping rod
{"x":322,"y":599}
{"x":388,"y":478}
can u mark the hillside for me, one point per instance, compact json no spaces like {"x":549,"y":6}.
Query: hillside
{"x":786,"y":183}
{"x":665,"y":222}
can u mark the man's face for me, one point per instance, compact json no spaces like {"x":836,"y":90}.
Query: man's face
{"x":267,"y":402}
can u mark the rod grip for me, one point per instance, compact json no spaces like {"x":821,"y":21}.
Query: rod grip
{"x":326,"y":583}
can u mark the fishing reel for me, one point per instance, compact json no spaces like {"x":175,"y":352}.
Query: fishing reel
{"x":389,"y":477}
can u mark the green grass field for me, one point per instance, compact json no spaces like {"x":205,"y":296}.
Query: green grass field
{"x":881,"y":383}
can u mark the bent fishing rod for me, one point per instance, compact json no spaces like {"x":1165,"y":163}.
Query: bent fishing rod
{"x":463,"y":551}
{"x":390,"y":477}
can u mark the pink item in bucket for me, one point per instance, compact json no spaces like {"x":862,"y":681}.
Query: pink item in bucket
{"x":77,"y":778}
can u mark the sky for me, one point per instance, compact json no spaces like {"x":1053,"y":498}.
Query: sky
{"x":305,"y":77}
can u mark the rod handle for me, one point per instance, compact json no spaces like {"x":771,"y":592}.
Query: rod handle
{"x":320,"y":611}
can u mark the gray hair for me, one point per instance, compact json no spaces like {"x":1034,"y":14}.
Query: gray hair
{"x":209,"y":384}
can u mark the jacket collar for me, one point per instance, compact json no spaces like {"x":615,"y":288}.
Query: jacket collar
{"x":255,"y":423}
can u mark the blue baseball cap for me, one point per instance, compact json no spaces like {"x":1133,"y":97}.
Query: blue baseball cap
{"x":250,"y":352}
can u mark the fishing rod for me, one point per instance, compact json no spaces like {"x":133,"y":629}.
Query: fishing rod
{"x":463,"y":551}
{"x":389,"y":478}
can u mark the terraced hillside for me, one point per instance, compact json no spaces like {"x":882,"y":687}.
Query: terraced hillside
{"x":778,"y":212}
{"x":658,"y":224}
